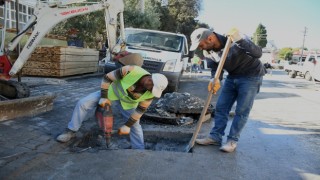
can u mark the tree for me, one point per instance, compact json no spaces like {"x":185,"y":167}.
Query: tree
{"x":178,"y":17}
{"x":150,"y":19}
{"x":260,"y":36}
{"x":91,"y":27}
{"x":285,"y":53}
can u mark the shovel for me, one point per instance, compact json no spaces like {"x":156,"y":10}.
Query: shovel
{"x":208,"y":100}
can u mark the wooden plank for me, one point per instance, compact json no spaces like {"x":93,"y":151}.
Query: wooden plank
{"x":57,"y":72}
{"x":65,"y":50}
{"x":81,"y":58}
{"x":80,"y":51}
{"x":61,"y":61}
{"x":69,"y":72}
{"x":63,"y":58}
{"x":60,"y":65}
{"x":48,"y":50}
{"x":47,"y":57}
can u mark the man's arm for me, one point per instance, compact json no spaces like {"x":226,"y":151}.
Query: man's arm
{"x":135,"y":116}
{"x":250,"y":48}
{"x":138,"y":112}
{"x":113,"y":76}
{"x":244,"y":43}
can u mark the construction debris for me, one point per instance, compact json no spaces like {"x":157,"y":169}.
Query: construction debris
{"x":177,"y":109}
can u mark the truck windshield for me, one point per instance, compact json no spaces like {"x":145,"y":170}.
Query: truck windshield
{"x":155,"y":40}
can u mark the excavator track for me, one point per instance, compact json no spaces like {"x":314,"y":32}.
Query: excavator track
{"x":13,"y":90}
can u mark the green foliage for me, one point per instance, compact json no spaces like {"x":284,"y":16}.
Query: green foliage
{"x":285,"y":53}
{"x":133,"y":17}
{"x":178,"y":16}
{"x":89,"y":26}
{"x":260,"y":36}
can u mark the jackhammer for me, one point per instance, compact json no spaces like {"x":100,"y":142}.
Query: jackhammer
{"x":105,"y":120}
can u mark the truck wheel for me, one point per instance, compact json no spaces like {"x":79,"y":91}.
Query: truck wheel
{"x":308,"y":76}
{"x":292,"y":74}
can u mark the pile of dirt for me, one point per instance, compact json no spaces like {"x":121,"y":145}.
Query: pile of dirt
{"x":176,"y":109}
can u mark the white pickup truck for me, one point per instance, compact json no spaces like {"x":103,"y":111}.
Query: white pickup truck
{"x":308,"y":69}
{"x":163,"y":52}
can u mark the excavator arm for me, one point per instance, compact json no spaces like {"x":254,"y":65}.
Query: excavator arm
{"x":49,"y":13}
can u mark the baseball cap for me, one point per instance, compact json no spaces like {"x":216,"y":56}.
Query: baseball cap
{"x":160,"y":83}
{"x":131,"y":59}
{"x":198,"y":35}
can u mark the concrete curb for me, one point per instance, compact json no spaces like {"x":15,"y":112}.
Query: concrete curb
{"x":30,"y":106}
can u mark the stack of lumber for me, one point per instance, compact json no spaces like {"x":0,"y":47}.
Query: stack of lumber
{"x":57,"y":61}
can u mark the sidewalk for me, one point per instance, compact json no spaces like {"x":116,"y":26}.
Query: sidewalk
{"x":28,"y":149}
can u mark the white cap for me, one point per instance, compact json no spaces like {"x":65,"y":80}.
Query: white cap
{"x":160,"y":83}
{"x":198,"y":35}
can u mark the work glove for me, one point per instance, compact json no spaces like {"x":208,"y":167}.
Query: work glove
{"x":234,"y":35}
{"x":214,"y":86}
{"x":124,"y":130}
{"x":104,"y":101}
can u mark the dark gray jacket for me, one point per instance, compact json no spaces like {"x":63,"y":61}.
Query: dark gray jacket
{"x":242,"y":60}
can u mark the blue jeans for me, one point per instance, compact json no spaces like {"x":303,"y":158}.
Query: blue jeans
{"x":243,"y":90}
{"x":136,"y":133}
{"x":90,"y":102}
{"x":195,"y":68}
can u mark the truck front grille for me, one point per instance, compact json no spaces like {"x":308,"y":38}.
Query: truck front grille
{"x":152,"y":66}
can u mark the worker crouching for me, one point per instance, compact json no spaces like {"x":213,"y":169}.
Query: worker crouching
{"x":130,"y":89}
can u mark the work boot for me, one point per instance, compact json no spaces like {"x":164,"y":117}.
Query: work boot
{"x":66,"y":136}
{"x":229,"y":147}
{"x":207,"y":141}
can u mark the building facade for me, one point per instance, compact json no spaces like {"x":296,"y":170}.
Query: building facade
{"x":25,"y":9}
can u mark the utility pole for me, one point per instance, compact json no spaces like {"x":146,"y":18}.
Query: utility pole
{"x":304,"y":37}
{"x":141,"y":6}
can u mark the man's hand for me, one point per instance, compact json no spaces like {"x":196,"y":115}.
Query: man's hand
{"x":234,"y":35}
{"x":124,"y":130}
{"x":214,"y":86}
{"x":119,"y":55}
{"x":104,"y":101}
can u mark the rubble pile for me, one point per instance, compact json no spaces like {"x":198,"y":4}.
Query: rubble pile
{"x":177,"y":109}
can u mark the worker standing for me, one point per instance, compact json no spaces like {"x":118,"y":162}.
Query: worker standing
{"x":130,"y":89}
{"x":196,"y":63}
{"x":245,"y":72}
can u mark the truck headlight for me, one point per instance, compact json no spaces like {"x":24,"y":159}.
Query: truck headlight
{"x":169,"y":66}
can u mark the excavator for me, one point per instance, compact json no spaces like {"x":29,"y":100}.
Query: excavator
{"x":48,"y":13}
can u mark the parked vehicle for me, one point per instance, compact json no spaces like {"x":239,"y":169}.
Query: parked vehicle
{"x":163,"y":52}
{"x":308,"y":69}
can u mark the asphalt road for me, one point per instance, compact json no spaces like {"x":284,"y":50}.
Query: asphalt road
{"x":280,"y":141}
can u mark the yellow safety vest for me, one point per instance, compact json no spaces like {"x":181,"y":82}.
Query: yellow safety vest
{"x":118,"y":90}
